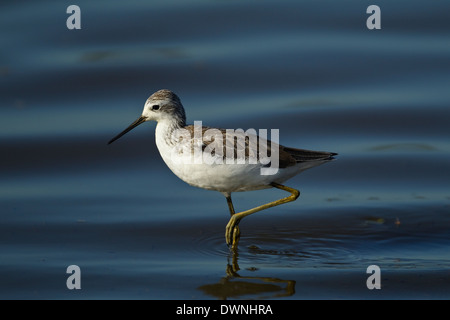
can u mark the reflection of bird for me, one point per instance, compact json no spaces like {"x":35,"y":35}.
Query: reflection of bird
{"x":197,"y":158}
{"x":256,"y":287}
{"x":233,"y":285}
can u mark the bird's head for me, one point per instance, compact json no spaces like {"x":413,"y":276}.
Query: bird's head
{"x":163,"y":105}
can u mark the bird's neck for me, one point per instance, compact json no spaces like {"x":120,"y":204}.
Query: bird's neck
{"x":166,"y":131}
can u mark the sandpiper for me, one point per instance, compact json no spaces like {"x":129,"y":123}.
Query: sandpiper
{"x":178,"y":142}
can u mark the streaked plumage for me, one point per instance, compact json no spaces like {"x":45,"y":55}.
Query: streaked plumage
{"x":177,"y":143}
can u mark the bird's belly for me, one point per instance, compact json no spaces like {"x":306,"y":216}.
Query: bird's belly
{"x":226,"y":177}
{"x":223,"y":177}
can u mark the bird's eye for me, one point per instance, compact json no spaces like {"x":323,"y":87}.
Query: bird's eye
{"x":155,"y":107}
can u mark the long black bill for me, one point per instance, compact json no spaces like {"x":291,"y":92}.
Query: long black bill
{"x":141,"y":119}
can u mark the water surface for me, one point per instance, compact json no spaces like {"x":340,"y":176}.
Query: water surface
{"x":310,"y":69}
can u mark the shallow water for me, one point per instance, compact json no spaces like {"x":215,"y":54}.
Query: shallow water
{"x":312,"y":70}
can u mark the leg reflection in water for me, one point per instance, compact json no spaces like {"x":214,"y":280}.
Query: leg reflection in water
{"x":233,"y":285}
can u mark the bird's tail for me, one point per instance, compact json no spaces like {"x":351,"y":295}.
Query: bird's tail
{"x":302,"y":155}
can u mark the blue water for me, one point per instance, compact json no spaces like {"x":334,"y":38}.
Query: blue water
{"x":311,"y":69}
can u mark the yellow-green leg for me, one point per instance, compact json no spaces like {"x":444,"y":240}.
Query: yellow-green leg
{"x":236,"y":233}
{"x":232,"y":232}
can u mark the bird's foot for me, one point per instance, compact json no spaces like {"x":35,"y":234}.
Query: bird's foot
{"x":232,"y":233}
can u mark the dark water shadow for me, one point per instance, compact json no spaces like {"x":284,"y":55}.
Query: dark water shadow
{"x":234,"y":285}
